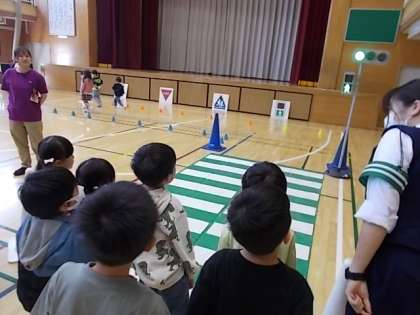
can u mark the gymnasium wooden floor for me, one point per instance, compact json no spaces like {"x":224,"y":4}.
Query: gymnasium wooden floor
{"x":295,"y":144}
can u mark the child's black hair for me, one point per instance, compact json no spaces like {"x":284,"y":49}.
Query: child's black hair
{"x":21,"y":51}
{"x":259,"y":218}
{"x":118,"y":79}
{"x":264,"y":172}
{"x":53,"y":148}
{"x":118,"y":222}
{"x":44,"y":191}
{"x":153,"y":163}
{"x":87,"y":75}
{"x":94,"y":173}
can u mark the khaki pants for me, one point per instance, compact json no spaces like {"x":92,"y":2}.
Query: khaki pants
{"x":20,"y":132}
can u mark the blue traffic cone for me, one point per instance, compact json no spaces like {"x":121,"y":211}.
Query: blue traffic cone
{"x":73,"y":113}
{"x":113,"y":119}
{"x":170,"y":127}
{"x":89,"y":115}
{"x":140,"y":124}
{"x":204,"y":133}
{"x":55,"y":111}
{"x":337,"y":168}
{"x":214,"y":141}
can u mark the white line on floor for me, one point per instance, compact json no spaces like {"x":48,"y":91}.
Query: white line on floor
{"x":339,"y":245}
{"x":188,"y":122}
{"x":322,"y":147}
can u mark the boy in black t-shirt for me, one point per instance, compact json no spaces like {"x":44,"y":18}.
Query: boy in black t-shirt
{"x":118,"y":92}
{"x":253,"y":280}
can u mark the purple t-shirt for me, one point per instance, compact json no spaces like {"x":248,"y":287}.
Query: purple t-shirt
{"x":23,"y":89}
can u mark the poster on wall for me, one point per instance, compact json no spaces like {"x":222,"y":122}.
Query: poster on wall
{"x":280,"y":110}
{"x":220,"y":102}
{"x":166,"y":97}
{"x":61,"y":18}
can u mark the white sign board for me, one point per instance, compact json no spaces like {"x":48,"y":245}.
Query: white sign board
{"x":280,"y":110}
{"x":61,"y":17}
{"x":124,"y":97}
{"x":166,"y":97}
{"x":220,"y":102}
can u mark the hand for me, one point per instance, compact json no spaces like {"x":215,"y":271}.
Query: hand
{"x":358,"y":297}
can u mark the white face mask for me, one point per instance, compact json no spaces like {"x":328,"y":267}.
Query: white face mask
{"x":70,"y":205}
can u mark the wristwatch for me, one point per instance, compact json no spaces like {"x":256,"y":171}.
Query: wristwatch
{"x":354,"y":276}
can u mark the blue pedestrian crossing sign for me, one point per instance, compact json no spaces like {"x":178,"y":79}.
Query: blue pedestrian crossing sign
{"x":220,"y":102}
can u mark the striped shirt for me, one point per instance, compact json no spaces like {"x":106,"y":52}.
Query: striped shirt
{"x":385,"y":179}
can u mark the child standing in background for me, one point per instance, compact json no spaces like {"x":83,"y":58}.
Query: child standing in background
{"x":118,"y":92}
{"x":96,"y":92}
{"x":86,"y":89}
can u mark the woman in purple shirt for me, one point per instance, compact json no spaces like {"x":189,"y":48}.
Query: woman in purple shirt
{"x":27,"y":92}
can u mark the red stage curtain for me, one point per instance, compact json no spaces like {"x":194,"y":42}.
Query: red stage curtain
{"x":310,"y":40}
{"x":105,"y":29}
{"x":127,"y":33}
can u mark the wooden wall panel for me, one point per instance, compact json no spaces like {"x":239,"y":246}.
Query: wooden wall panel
{"x":78,"y":80}
{"x":156,"y":84}
{"x":138,"y":87}
{"x":337,"y":55}
{"x":333,"y":109}
{"x":6,"y":43}
{"x":192,"y":94}
{"x":109,"y":81}
{"x":224,"y":89}
{"x":256,"y":101}
{"x":60,"y":78}
{"x":300,"y":106}
{"x":331,"y":57}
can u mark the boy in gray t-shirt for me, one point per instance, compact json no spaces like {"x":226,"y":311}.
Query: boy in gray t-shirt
{"x":118,"y":222}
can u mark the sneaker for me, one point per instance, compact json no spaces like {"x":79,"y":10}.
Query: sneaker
{"x":20,"y":171}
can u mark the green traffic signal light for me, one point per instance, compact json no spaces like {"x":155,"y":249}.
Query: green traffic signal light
{"x":359,"y":56}
{"x":371,"y":55}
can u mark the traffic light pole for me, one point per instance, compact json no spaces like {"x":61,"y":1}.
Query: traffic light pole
{"x":338,"y":167}
{"x":352,"y":106}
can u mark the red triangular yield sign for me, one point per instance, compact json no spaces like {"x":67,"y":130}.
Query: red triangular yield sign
{"x":166,"y":93}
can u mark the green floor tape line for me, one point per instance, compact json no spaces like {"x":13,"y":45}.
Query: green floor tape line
{"x":206,"y":188}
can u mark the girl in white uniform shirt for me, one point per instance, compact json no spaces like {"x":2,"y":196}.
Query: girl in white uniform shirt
{"x":384,"y":276}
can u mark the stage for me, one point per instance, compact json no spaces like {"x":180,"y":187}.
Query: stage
{"x":246,"y":95}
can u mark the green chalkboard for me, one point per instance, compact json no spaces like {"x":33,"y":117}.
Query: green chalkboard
{"x":377,"y":26}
